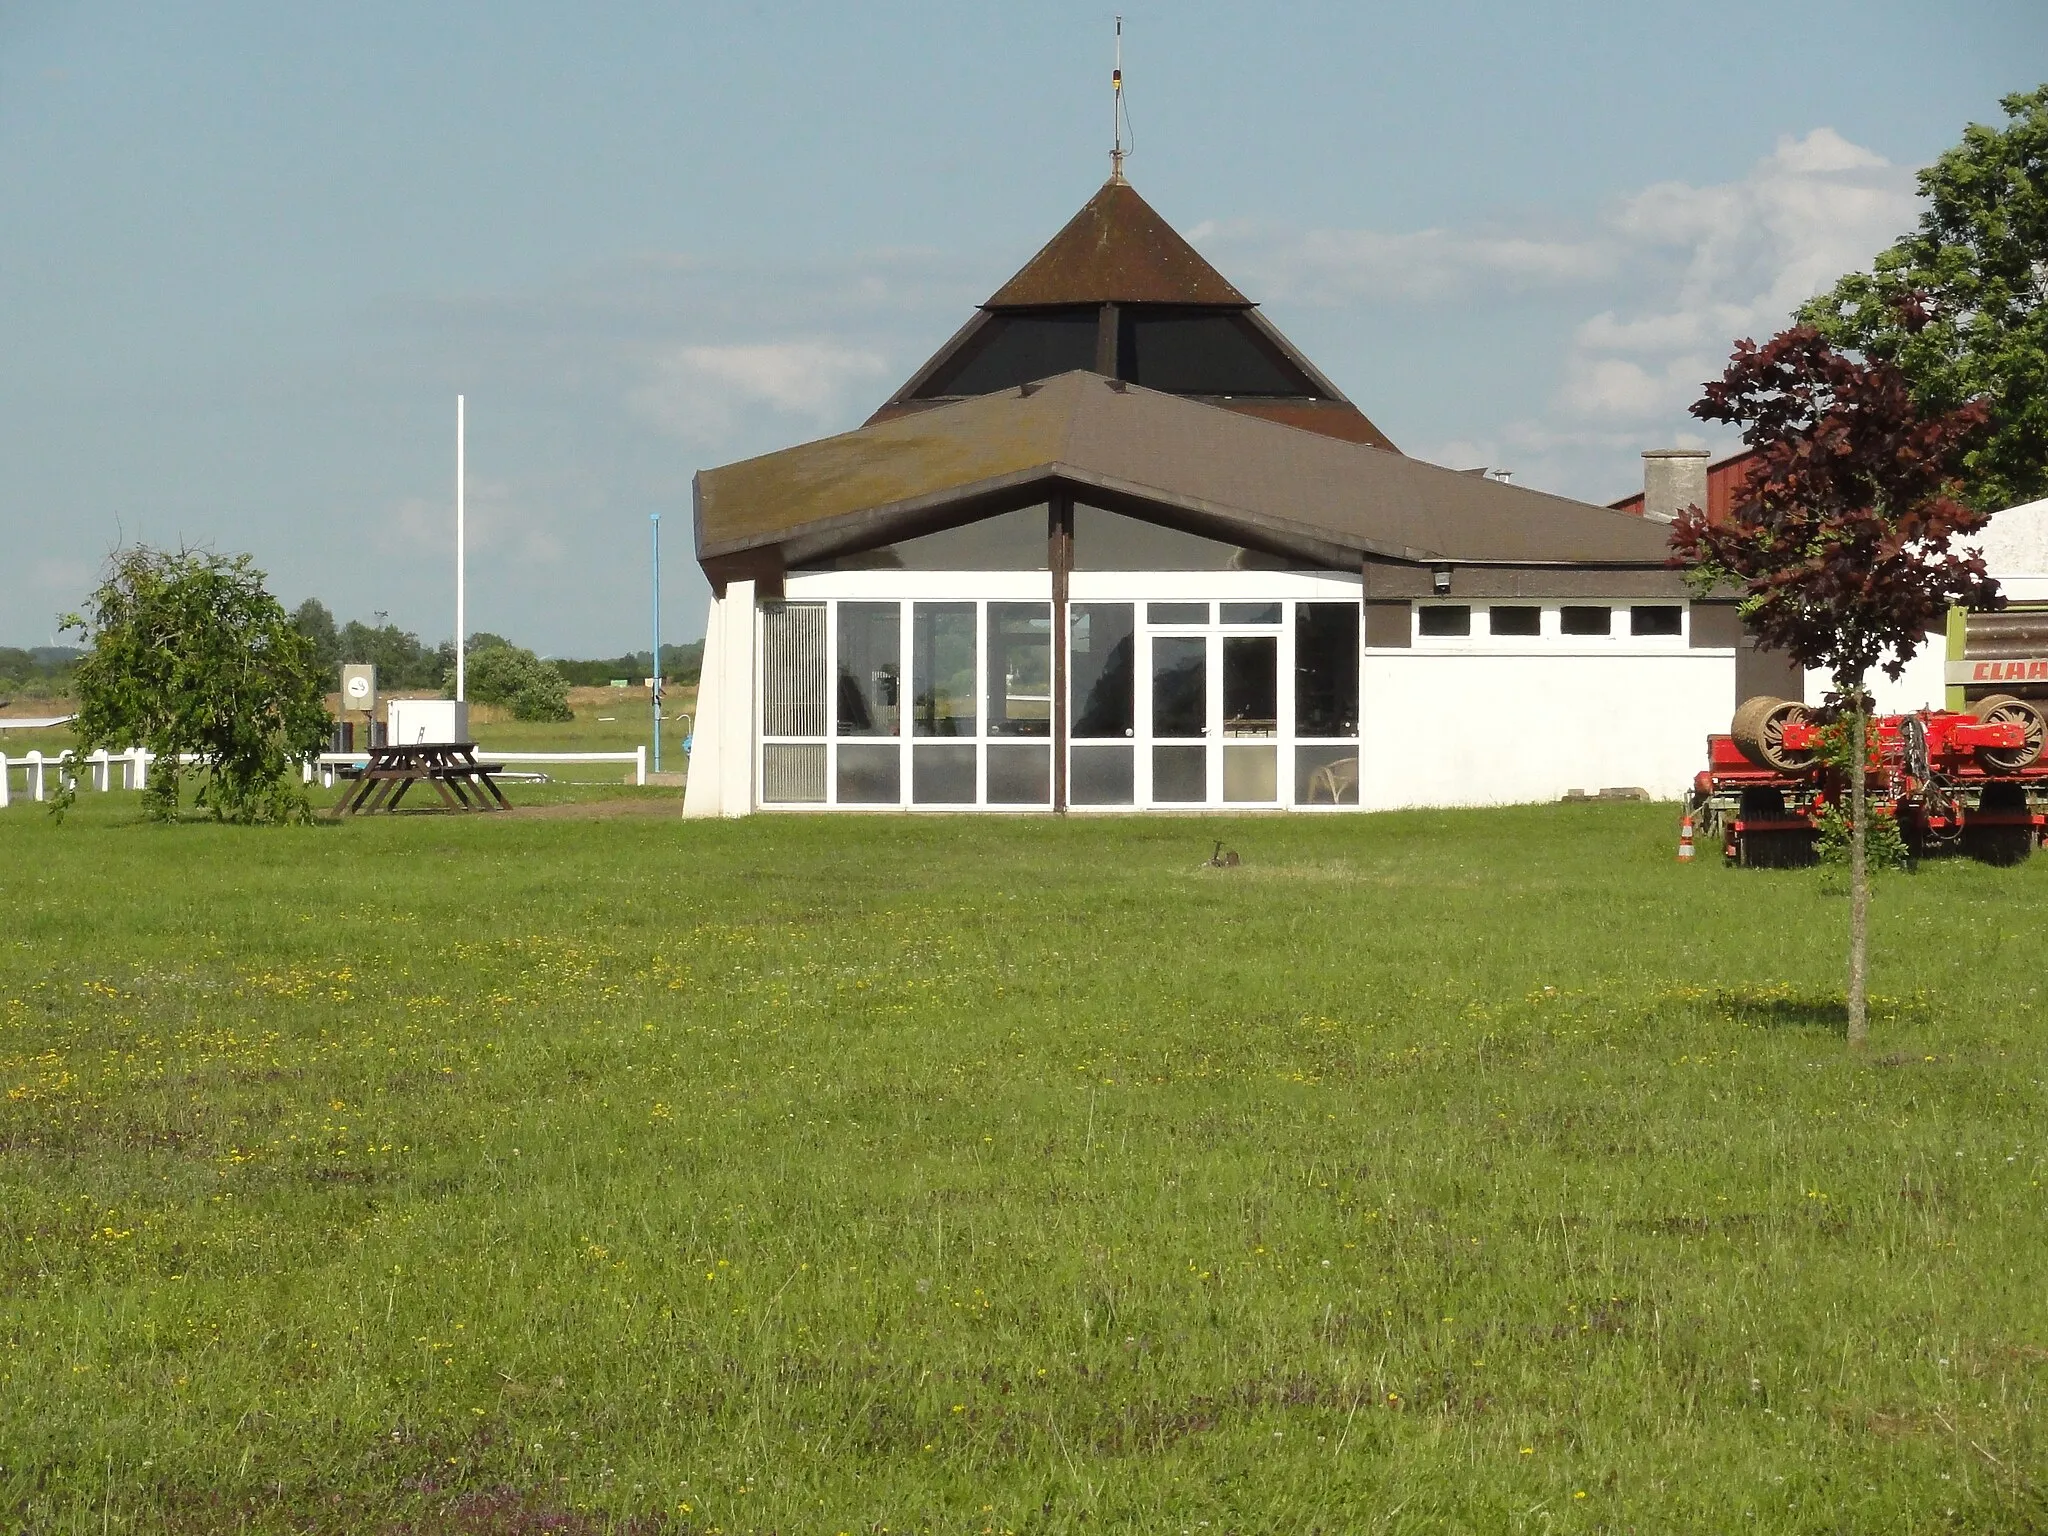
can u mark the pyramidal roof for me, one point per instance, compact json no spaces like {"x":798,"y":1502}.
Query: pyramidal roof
{"x":1116,"y":250}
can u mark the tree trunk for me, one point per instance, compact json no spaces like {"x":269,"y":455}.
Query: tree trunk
{"x":1859,"y":874}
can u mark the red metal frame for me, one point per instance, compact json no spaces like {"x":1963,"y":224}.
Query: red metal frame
{"x":1925,"y":788}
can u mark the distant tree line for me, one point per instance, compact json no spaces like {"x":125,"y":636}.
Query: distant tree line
{"x":40,"y":671}
{"x":497,"y":671}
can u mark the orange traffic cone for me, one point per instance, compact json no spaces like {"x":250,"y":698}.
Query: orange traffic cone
{"x":1685,"y":839}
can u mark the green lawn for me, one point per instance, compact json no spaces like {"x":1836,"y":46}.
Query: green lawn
{"x":574,"y":1172}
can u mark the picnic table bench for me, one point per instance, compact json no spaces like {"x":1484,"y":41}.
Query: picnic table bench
{"x":450,"y":767}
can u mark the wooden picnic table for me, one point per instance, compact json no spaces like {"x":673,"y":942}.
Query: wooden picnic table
{"x":451,"y":767}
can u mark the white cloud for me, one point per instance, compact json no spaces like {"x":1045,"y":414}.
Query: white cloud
{"x":1340,"y":266}
{"x":698,"y":393}
{"x":1670,"y":276}
{"x":1726,"y":261}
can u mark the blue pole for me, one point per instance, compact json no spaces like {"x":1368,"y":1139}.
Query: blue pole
{"x":654,"y":687}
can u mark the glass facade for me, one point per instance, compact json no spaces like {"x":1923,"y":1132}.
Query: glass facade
{"x":909,"y":702}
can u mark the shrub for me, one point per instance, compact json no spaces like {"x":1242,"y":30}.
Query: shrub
{"x":513,"y":676}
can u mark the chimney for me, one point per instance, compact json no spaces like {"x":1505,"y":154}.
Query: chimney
{"x":1673,"y":479}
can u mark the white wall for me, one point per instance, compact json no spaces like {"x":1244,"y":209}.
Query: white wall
{"x":1504,"y":729}
{"x":2015,"y":547}
{"x":721,"y":780}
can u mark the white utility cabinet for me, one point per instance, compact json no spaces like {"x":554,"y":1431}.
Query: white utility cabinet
{"x":432,"y":722}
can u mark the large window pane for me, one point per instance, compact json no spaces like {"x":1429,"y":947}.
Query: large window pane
{"x":1109,"y":541}
{"x":793,"y":773}
{"x":1009,"y":541}
{"x":1251,"y":685}
{"x":1180,"y":775}
{"x":942,"y":663}
{"x":793,"y":671}
{"x":1100,"y":775}
{"x":1019,"y":775}
{"x":1514,"y":619}
{"x":1020,"y":669}
{"x":870,"y":668}
{"x":1180,"y":685}
{"x":1326,"y":669}
{"x":1017,"y":348}
{"x":1585,"y":620}
{"x":942,"y":775}
{"x":1202,"y":352}
{"x":1101,"y":661}
{"x":1326,"y":775}
{"x":870,"y":775}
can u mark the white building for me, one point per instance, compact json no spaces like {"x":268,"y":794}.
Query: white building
{"x":1120,"y":546}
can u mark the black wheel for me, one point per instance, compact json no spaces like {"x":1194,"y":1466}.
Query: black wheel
{"x":2000,"y":845}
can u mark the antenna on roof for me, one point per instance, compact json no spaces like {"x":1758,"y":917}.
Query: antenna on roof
{"x":1117,"y":118}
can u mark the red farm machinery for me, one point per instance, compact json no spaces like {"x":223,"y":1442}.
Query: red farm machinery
{"x":1967,"y":782}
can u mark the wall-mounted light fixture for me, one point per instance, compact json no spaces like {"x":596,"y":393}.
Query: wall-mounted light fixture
{"x":1440,"y":579}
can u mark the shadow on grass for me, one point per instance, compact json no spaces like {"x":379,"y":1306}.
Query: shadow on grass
{"x":1783,"y":1008}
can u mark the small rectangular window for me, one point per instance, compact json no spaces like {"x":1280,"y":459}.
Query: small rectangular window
{"x":1656,"y":619}
{"x":1180,"y":685}
{"x":1100,"y":665}
{"x":793,"y":670}
{"x":1019,"y":669}
{"x":870,"y":775}
{"x":1518,"y":619}
{"x":1326,"y":775}
{"x":942,"y":669}
{"x":1251,"y":613}
{"x":1586,"y":621}
{"x":870,"y":663}
{"x":1100,"y":776}
{"x":1176,"y":613}
{"x":1251,"y":774}
{"x":942,"y":775}
{"x":1326,"y":669}
{"x":1019,"y":775}
{"x":1180,"y":775}
{"x":793,"y":774}
{"x":1438,"y":619}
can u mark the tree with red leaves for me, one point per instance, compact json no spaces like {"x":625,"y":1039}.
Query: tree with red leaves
{"x":1841,"y":541}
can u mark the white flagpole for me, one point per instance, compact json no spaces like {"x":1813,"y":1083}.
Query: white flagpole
{"x":461,"y":617}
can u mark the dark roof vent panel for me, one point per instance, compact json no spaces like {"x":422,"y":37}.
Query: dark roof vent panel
{"x":1015,"y":348}
{"x":1203,"y":352}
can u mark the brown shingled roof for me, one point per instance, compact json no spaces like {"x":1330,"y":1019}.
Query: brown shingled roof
{"x":1116,"y":250}
{"x":1219,"y":470}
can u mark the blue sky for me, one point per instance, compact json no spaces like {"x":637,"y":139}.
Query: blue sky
{"x":253,"y":251}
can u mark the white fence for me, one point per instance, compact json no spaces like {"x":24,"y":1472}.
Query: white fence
{"x":41,"y":775}
{"x":327,"y":762}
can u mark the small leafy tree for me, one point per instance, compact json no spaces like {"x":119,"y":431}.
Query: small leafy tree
{"x":511,"y":675}
{"x":1961,"y":304}
{"x":1841,"y":543}
{"x":189,"y":654}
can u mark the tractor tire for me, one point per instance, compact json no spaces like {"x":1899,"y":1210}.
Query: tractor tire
{"x":2001,"y":846}
{"x":1758,"y":731}
{"x":2004,"y":709}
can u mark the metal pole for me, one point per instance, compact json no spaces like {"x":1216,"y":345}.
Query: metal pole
{"x":654,"y":686}
{"x":461,"y":612}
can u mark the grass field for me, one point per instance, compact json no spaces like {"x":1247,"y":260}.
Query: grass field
{"x":594,"y":1170}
